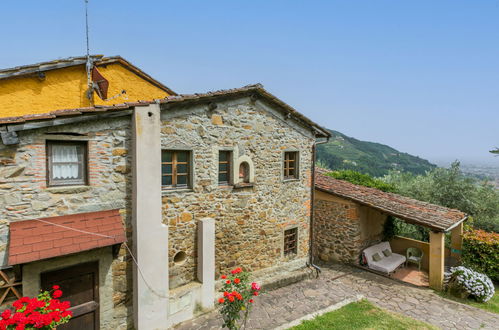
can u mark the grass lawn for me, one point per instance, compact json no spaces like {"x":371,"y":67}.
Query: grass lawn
{"x":492,"y":305}
{"x":362,"y":315}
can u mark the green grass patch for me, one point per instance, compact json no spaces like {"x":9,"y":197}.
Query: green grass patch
{"x":362,"y":315}
{"x":492,"y":305}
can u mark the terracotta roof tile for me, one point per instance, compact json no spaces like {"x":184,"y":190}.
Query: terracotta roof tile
{"x":32,"y":240}
{"x":433,"y":216}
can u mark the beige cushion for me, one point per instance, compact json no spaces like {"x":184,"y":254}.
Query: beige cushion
{"x":376,"y":257}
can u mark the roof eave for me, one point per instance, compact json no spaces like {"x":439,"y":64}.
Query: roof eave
{"x":396,"y":214}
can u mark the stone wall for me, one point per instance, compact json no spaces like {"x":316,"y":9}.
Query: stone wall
{"x":342,"y":228}
{"x":24,"y":193}
{"x":249,"y":221}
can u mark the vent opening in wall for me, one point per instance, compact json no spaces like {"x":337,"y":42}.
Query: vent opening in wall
{"x":180,"y":258}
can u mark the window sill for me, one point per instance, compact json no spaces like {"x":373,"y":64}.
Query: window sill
{"x":174,"y":191}
{"x":67,"y":189}
{"x":290,"y":180}
{"x":243,"y":185}
{"x":226,"y":186}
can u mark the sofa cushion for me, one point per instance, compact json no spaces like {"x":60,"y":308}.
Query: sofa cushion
{"x":376,"y":257}
{"x":387,"y":252}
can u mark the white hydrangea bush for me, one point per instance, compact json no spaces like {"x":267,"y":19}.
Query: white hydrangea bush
{"x":477,"y":285}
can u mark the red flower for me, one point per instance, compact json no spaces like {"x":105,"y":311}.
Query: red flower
{"x":56,"y":287}
{"x":6,"y":314}
{"x":221,"y":300}
{"x":237,"y":281}
{"x":231,"y":298}
{"x":228,"y":281}
{"x":57,"y":294}
{"x":226,"y":294}
{"x":223,"y":277}
{"x":236,"y":271}
{"x":251,"y":300}
{"x":255,"y":293}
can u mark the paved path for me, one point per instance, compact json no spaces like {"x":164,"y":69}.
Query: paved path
{"x":338,"y":283}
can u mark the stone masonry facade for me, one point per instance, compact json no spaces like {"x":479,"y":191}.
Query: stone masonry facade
{"x":24,"y":193}
{"x":250,"y":221}
{"x":344,"y":228}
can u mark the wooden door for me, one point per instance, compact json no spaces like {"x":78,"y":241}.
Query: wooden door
{"x":80,"y":286}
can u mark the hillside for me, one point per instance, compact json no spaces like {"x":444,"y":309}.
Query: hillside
{"x":346,"y":153}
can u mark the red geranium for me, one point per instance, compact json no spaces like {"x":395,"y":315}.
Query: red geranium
{"x":42,"y":312}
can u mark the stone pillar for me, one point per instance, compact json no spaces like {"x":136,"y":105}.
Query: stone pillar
{"x":456,"y":242}
{"x":436,"y":258}
{"x":150,"y":235}
{"x":206,"y":261}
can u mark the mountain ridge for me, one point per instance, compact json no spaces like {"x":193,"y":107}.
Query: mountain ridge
{"x":343,"y":152}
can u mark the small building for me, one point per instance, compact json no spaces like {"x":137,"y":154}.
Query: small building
{"x":189,"y":185}
{"x":348,"y":218}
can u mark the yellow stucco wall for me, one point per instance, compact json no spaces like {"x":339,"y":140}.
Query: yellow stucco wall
{"x":65,"y":89}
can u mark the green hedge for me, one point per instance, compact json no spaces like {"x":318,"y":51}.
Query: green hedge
{"x":481,"y":252}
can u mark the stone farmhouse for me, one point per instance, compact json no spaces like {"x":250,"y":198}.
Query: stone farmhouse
{"x":187,"y":185}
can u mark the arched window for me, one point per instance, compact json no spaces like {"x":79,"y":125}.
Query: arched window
{"x":244,"y":170}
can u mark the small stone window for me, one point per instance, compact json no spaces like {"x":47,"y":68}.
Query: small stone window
{"x":291,"y":241}
{"x":66,"y":163}
{"x":244,"y":172}
{"x":175,"y":169}
{"x":290,"y":165}
{"x":224,"y":167}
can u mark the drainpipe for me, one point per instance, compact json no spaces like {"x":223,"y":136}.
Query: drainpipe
{"x":310,"y":262}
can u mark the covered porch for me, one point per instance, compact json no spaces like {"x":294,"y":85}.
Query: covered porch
{"x":359,"y":214}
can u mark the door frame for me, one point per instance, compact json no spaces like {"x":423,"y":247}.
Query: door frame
{"x":32,"y":285}
{"x":87,"y":267}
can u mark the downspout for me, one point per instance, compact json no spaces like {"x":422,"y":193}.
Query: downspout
{"x":310,"y":262}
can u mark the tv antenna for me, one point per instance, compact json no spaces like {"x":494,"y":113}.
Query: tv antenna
{"x":89,"y":60}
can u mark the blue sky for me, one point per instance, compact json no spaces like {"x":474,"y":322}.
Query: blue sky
{"x":421,"y":76}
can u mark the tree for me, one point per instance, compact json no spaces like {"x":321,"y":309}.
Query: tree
{"x":451,"y":188}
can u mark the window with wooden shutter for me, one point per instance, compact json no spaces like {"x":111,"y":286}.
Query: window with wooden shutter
{"x":175,"y":169}
{"x":291,"y":241}
{"x":66,"y":163}
{"x":224,"y":167}
{"x":290,"y":165}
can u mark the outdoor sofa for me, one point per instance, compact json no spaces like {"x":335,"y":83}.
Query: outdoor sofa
{"x":380,"y":257}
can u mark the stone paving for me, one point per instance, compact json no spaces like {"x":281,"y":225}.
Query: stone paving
{"x":339,"y":282}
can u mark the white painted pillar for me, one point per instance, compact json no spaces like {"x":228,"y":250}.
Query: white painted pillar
{"x":150,"y":235}
{"x":206,"y":261}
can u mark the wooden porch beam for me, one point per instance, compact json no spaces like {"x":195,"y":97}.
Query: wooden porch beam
{"x":456,"y":241}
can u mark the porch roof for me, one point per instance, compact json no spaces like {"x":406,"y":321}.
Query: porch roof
{"x":32,"y":240}
{"x":435,"y":217}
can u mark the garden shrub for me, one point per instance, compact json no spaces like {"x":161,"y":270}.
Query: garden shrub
{"x":465,"y":283}
{"x":237,"y":300}
{"x":481,"y":252}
